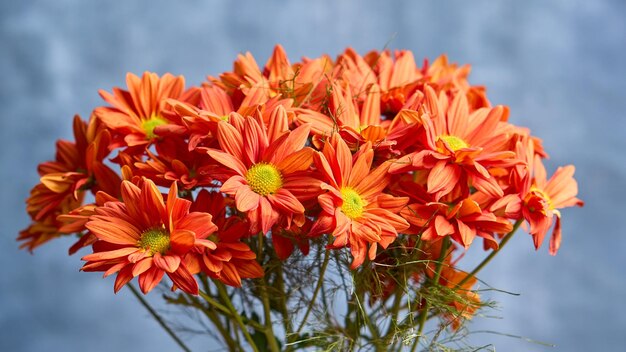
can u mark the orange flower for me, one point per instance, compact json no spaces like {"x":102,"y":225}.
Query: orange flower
{"x":356,"y":126}
{"x":78,"y":167}
{"x":136,"y":114}
{"x":354,"y":208}
{"x":458,"y":147}
{"x":216,"y":105}
{"x":462,"y":221}
{"x":544,"y":199}
{"x":450,"y":78}
{"x":42,"y":231}
{"x":267,"y":165}
{"x":535,"y":198}
{"x":175,"y":163}
{"x":278,"y":77}
{"x":231,"y":260}
{"x":397,"y":77}
{"x":145,"y":237}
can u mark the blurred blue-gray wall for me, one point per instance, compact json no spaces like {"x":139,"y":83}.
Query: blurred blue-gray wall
{"x":559,"y":65}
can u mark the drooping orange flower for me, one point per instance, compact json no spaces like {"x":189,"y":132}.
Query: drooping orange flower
{"x":354,"y":208}
{"x":144,"y":236}
{"x":231,"y":260}
{"x":268,"y":165}
{"x":537,"y":199}
{"x":136,"y":114}
{"x":74,"y":222}
{"x":78,"y":167}
{"x":545,"y":198}
{"x":45,"y":229}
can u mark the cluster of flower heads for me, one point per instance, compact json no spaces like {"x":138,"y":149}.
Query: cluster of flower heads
{"x":362,"y":149}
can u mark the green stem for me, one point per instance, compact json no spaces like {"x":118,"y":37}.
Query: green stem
{"x":395,"y":310}
{"x":267,"y":309}
{"x":320,"y":282}
{"x":491,"y":255}
{"x":435,"y":281}
{"x":158,"y":318}
{"x":230,"y":343}
{"x":214,"y":302}
{"x":227,"y":312}
{"x":244,"y":330}
{"x":283,"y":297}
{"x":368,"y":322}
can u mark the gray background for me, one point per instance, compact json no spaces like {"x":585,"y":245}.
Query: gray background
{"x":559,"y":65}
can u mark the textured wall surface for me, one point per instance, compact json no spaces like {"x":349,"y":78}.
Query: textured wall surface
{"x":558,"y":65}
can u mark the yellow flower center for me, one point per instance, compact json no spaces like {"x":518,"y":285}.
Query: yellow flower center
{"x":454,"y":142}
{"x":353,"y":204}
{"x":543,"y":195}
{"x":264,"y":179}
{"x":149,"y":125}
{"x":156,"y":240}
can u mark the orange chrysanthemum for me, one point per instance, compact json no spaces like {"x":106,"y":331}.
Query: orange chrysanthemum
{"x":267,"y":164}
{"x":356,"y":125}
{"x":77,"y":168}
{"x":136,"y":114}
{"x":537,"y":199}
{"x":397,"y":76}
{"x":449,"y":77}
{"x":394,"y":164}
{"x":354,"y":208}
{"x":144,"y":236}
{"x":462,"y":221}
{"x":175,"y":163}
{"x":278,"y":77}
{"x":459,"y":147}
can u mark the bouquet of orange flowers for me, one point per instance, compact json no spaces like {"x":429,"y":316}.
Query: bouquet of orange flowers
{"x":321,"y":204}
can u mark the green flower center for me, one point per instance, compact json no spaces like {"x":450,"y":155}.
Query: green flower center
{"x":156,"y":240}
{"x":150,"y":124}
{"x":353,"y":204}
{"x":454,"y":142}
{"x":264,"y":179}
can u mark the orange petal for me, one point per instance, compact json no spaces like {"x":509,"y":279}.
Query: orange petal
{"x":169,"y":263}
{"x":111,"y":232}
{"x":183,"y":279}
{"x":117,"y":253}
{"x":286,"y":201}
{"x":298,"y":161}
{"x":443,"y":177}
{"x":246,"y":199}
{"x":467,"y":234}
{"x":181,"y":241}
{"x":149,"y":279}
{"x":228,"y":160}
{"x":122,"y":278}
{"x":142,"y":266}
{"x":231,"y":140}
